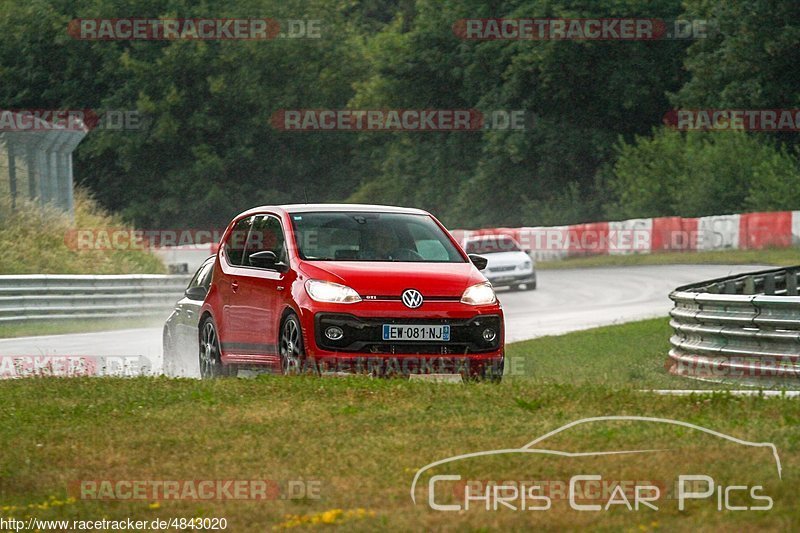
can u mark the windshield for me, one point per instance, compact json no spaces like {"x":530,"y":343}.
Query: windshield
{"x":492,"y":244}
{"x":372,"y":237}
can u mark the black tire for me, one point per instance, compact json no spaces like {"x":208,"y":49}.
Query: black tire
{"x":210,"y":362}
{"x":530,"y":286}
{"x":292,"y":351}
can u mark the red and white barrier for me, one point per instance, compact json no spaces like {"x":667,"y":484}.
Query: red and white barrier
{"x":633,"y":236}
{"x":796,"y":228}
{"x":545,"y":243}
{"x":765,"y":230}
{"x":718,"y":233}
{"x":674,"y":234}
{"x":588,"y":239}
{"x":749,"y":231}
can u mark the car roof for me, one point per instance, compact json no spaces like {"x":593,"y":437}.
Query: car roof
{"x":321,"y":208}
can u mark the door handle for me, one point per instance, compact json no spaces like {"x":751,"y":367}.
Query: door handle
{"x":234,"y":286}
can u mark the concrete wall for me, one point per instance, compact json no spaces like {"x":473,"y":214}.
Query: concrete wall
{"x":36,"y":164}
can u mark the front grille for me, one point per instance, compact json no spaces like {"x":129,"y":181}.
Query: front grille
{"x":418,"y":348}
{"x":502,"y":269}
{"x":363,"y":335}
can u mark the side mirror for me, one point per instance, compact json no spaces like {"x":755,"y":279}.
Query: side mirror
{"x":479,"y":261}
{"x":263,"y":259}
{"x":198,"y":292}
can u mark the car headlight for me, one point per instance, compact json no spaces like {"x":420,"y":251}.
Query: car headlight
{"x":479,"y":294}
{"x":327,"y":291}
{"x":525,"y":266}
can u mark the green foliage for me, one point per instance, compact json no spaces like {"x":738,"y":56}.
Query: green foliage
{"x":700,"y":173}
{"x":751,"y":63}
{"x":207,"y":150}
{"x":775,"y":183}
{"x":583,"y":95}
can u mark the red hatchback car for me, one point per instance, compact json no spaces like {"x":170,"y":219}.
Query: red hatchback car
{"x":348,"y":288}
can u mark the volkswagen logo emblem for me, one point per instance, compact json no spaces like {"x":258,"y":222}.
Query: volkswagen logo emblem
{"x":412,"y":298}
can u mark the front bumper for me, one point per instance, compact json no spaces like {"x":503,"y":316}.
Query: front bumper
{"x":511,"y":278}
{"x":363,"y":335}
{"x":362,"y":350}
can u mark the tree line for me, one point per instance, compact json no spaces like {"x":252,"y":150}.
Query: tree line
{"x":597,"y":146}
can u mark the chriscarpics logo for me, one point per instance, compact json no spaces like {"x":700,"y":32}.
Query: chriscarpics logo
{"x":608,"y":464}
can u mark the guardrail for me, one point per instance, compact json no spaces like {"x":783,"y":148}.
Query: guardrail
{"x":56,"y":297}
{"x":738,"y":328}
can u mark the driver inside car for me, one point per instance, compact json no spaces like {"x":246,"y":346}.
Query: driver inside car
{"x":381,"y":245}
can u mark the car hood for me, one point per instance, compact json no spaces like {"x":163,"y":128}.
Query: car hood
{"x":392,"y":278}
{"x":501,"y":259}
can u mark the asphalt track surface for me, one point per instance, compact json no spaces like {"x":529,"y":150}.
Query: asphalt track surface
{"x":565,"y":300}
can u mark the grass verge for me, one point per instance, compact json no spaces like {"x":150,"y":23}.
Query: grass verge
{"x":359,"y":443}
{"x":43,"y":241}
{"x":772,"y":256}
{"x":355,"y":444}
{"x":630,"y":355}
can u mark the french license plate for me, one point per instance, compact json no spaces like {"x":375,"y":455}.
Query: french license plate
{"x":408,"y":332}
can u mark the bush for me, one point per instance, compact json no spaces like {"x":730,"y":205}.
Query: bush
{"x":35,"y":241}
{"x":701,"y":173}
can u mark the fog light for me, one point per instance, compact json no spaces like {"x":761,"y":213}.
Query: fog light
{"x":334,"y":333}
{"x":489,"y":334}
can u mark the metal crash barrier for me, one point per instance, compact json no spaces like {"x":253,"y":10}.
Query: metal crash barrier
{"x":739,"y":328}
{"x":57,"y":297}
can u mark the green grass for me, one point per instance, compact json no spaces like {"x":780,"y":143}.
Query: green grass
{"x":772,"y":256}
{"x":56,"y":327}
{"x":630,"y":355}
{"x":37,"y":242}
{"x":360,"y":441}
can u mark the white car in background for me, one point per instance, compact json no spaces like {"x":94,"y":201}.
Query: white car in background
{"x":508,"y":266}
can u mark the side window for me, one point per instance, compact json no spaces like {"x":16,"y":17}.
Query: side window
{"x":205,"y":277}
{"x":234,"y":246}
{"x":200,"y":275}
{"x":266,"y":234}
